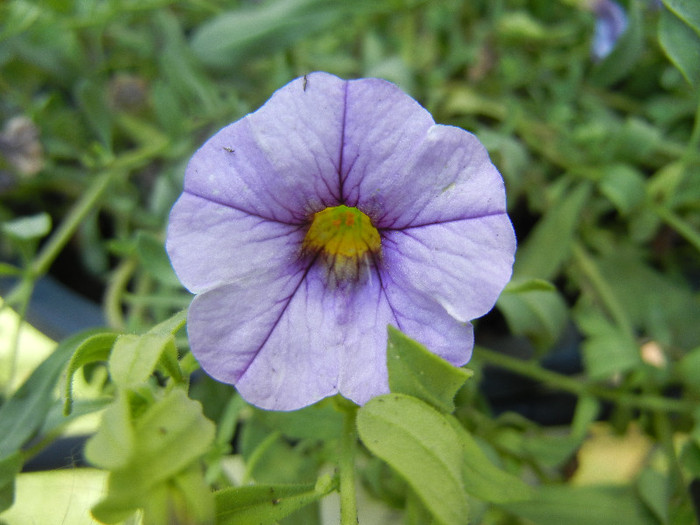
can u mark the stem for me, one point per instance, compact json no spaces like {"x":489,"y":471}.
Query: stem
{"x":602,"y":288}
{"x":581,"y":388}
{"x":346,"y":465}
{"x":118,"y":282}
{"x":257,"y":455}
{"x":70,"y":224}
{"x":694,"y":142}
{"x":679,"y":225}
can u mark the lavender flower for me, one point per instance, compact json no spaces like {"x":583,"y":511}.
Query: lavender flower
{"x":611,"y":22}
{"x":307,"y":227}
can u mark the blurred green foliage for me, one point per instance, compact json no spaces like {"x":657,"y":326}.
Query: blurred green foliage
{"x":602,"y":168}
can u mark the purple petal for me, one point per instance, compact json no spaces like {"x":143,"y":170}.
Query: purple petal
{"x":280,"y":162}
{"x":463,"y":264}
{"x":383,"y":127}
{"x":611,"y":22}
{"x":210,"y":244}
{"x":288,"y":341}
{"x":447,"y":177}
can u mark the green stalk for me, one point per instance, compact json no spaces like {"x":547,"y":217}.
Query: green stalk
{"x":67,"y":228}
{"x":346,"y":466}
{"x":602,"y":288}
{"x":580,"y":388}
{"x":679,"y":225}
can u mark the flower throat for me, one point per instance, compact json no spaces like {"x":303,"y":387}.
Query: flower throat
{"x":345,"y":239}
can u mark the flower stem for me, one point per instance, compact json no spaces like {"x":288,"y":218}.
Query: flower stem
{"x":679,"y":225}
{"x":603,"y":289}
{"x":580,"y":388}
{"x":70,"y":224}
{"x":346,"y":465}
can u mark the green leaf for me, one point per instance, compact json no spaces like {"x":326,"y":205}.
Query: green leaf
{"x":262,"y":504}
{"x":171,"y":325}
{"x":528,"y":285}
{"x":589,"y":505}
{"x":607,"y":349}
{"x":530,"y":310}
{"x":681,"y":43}
{"x":686,"y":10}
{"x":134,"y":357}
{"x":8,"y":269}
{"x":92,"y":99}
{"x":94,"y":348}
{"x":269,"y":27}
{"x":421,"y":445}
{"x":415,"y":371}
{"x":624,"y":186}
{"x":56,"y":497}
{"x":482,"y":478}
{"x":24,"y":413}
{"x":185,"y":498}
{"x":167,"y":438}
{"x":653,"y":488}
{"x":549,"y":243}
{"x":10,"y":466}
{"x":626,"y":53}
{"x":28,"y":228}
{"x":154,"y":259}
{"x":112,"y":445}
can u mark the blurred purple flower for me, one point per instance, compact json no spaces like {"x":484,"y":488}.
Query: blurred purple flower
{"x":611,"y":22}
{"x":307,"y":227}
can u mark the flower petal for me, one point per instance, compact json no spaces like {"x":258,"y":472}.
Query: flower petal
{"x":247,"y":334}
{"x":382,"y":128}
{"x":282,"y":161}
{"x":210,"y":244}
{"x":448,"y":176}
{"x":289,"y":340}
{"x":364,"y":368}
{"x":463,"y":264}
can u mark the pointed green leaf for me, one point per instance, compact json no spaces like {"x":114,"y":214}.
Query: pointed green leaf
{"x":538,"y":313}
{"x":686,"y":10}
{"x":167,"y":438}
{"x":134,"y":357}
{"x":263,"y":504}
{"x":113,"y":444}
{"x":482,"y":478}
{"x":589,"y":505}
{"x":681,"y":44}
{"x":154,"y":259}
{"x":549,"y":244}
{"x":24,"y":413}
{"x":10,"y":466}
{"x":94,"y":348}
{"x":416,"y":371}
{"x":421,"y":445}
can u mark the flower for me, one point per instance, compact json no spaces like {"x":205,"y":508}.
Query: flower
{"x":611,"y":22}
{"x":308,"y":226}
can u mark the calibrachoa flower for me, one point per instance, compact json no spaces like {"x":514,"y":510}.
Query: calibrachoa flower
{"x":307,"y":227}
{"x":611,"y":22}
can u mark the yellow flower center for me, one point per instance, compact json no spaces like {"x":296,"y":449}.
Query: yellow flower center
{"x":345,"y":239}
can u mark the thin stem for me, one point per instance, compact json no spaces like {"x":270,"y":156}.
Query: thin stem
{"x":115,"y":291}
{"x":257,"y":455}
{"x":70,"y":224}
{"x":602,"y":288}
{"x":679,"y":225}
{"x":346,"y":465}
{"x":581,"y":388}
{"x":694,"y":142}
